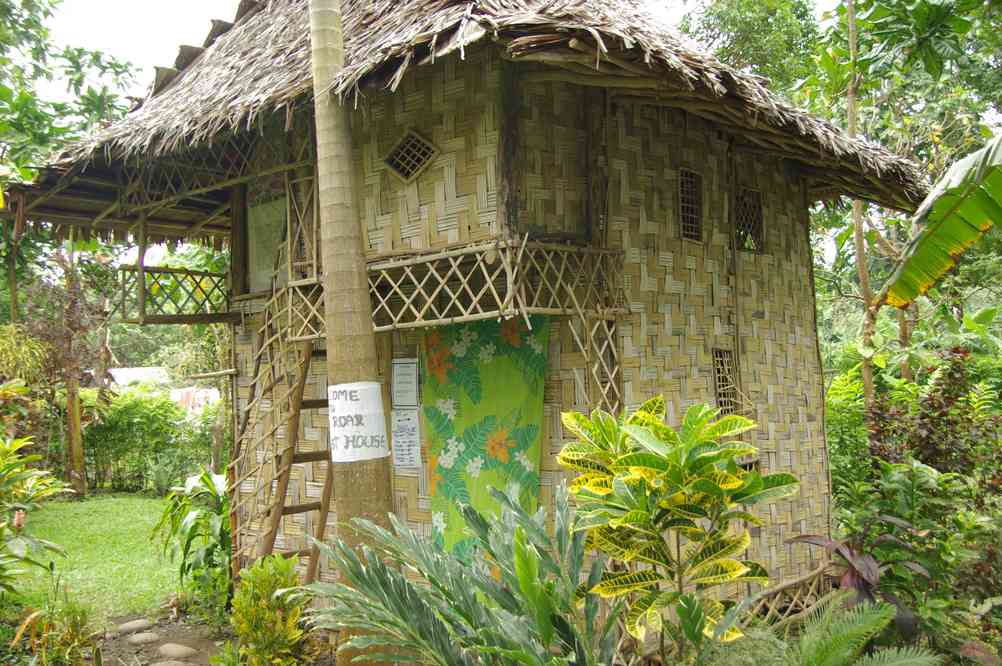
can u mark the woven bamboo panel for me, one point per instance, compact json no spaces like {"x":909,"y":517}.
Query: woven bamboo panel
{"x":684,"y":298}
{"x":688,"y":298}
{"x":553,"y":162}
{"x":454,"y":104}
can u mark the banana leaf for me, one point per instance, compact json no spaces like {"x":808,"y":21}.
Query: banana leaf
{"x":959,"y":210}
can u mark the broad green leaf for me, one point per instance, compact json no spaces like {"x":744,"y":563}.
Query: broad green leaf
{"x":647,"y":439}
{"x":774,"y":486}
{"x":962,"y":206}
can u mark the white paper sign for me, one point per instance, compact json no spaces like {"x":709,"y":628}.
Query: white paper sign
{"x":405,"y":382}
{"x":357,"y":422}
{"x":405,"y":428}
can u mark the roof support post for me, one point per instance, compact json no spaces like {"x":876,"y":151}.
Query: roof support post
{"x":238,"y":240}
{"x":141,"y":271}
{"x":361,"y":489}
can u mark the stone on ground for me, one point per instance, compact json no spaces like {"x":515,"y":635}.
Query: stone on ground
{"x":145,"y":638}
{"x":141,"y":624}
{"x":176,"y":651}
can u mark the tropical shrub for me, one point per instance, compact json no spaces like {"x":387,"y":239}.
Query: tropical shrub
{"x":671,"y":506}
{"x":517,"y":600}
{"x":194,"y":528}
{"x":139,"y":426}
{"x":265,"y":620}
{"x":19,"y":410}
{"x":846,"y":432}
{"x":22,"y":487}
{"x":22,"y":357}
{"x":907,"y":537}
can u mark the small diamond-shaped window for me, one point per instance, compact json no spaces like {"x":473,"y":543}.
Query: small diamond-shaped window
{"x":412,"y":155}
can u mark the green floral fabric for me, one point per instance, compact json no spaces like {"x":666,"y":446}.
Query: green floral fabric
{"x":481,"y":417}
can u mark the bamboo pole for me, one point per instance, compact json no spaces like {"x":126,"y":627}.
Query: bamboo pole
{"x":360,"y":489}
{"x":74,"y":433}
{"x":858,"y":223}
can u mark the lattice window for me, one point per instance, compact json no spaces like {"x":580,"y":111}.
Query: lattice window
{"x":690,"y":204}
{"x":749,"y":224}
{"x":412,"y":155}
{"x":725,"y":381}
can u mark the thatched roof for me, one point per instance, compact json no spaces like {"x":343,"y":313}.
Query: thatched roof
{"x":261,"y":63}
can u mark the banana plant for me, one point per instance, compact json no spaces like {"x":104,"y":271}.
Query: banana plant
{"x":671,"y":506}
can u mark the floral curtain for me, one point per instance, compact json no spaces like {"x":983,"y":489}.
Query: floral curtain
{"x":482,"y":417}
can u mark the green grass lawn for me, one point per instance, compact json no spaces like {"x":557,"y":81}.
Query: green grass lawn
{"x":110,"y":562}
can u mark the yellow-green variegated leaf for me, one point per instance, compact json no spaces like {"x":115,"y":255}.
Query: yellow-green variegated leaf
{"x":756,"y":572}
{"x":654,"y":406}
{"x":746,"y":516}
{"x":728,"y":426}
{"x":728,"y":481}
{"x":618,"y":584}
{"x":587,"y":466}
{"x":714,"y":611}
{"x":718,"y":547}
{"x":579,"y":425}
{"x":642,"y":460}
{"x":597,"y":483}
{"x":585,"y":451}
{"x":668,"y":437}
{"x":636,"y":616}
{"x":718,"y":571}
{"x":637,"y":520}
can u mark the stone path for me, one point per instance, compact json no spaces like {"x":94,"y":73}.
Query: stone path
{"x":159,"y":644}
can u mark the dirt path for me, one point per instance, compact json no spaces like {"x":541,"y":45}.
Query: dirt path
{"x":138,"y":640}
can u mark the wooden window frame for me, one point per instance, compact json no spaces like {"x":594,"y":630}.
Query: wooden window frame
{"x":687,"y":209}
{"x":725,"y":380}
{"x":756,"y":230}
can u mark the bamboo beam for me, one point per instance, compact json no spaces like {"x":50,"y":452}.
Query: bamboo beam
{"x":507,"y":187}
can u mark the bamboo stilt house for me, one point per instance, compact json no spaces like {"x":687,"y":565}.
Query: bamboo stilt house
{"x":564,"y":206}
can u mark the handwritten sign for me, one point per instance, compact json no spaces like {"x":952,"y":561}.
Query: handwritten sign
{"x":405,"y":430}
{"x":357,"y":422}
{"x":405,"y":382}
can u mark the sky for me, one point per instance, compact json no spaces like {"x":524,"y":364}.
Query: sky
{"x":148,"y":33}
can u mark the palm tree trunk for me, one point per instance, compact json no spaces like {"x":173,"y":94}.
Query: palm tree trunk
{"x":361,"y":489}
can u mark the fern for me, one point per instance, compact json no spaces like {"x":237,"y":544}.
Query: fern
{"x":836,"y":636}
{"x":906,"y":656}
{"x":983,"y":399}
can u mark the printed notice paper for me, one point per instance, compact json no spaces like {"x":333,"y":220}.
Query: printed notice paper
{"x":405,"y":382}
{"x":357,"y":422}
{"x":406,"y":438}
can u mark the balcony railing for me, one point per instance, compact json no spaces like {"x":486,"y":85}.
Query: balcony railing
{"x":173,"y":296}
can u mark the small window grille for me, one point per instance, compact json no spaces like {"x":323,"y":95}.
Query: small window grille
{"x":690,"y":204}
{"x":412,"y":154}
{"x":749,"y":225}
{"x":724,"y":381}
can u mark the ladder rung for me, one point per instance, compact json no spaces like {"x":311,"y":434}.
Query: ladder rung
{"x":315,"y":403}
{"x":310,"y":456}
{"x":292,"y":509}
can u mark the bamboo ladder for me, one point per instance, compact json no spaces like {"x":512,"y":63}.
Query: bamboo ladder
{"x":271,"y":420}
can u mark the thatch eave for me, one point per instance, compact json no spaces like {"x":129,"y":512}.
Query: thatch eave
{"x":260,"y":64}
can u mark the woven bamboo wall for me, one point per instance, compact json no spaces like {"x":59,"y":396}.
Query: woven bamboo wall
{"x":552,"y":160}
{"x":688,"y":298}
{"x":685,"y":298}
{"x":454,"y":104}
